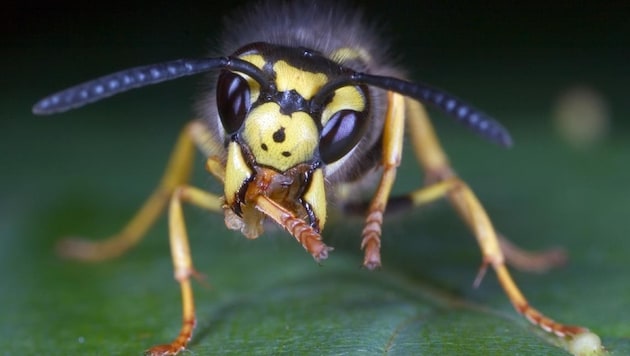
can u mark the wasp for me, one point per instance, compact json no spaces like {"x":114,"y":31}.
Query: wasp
{"x":305,"y":105}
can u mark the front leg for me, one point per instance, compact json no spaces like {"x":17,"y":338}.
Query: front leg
{"x":182,"y":261}
{"x":393,"y":132}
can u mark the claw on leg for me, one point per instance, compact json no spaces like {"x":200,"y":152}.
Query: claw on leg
{"x":482,"y":273}
{"x":188,"y":324}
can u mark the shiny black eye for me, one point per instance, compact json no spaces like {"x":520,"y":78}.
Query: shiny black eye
{"x":341,"y":133}
{"x":233,"y":100}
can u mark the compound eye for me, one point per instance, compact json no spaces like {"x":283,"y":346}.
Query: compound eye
{"x":341,"y":133}
{"x":233,"y":100}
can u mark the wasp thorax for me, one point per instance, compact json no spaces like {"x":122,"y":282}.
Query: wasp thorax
{"x":277,"y":140}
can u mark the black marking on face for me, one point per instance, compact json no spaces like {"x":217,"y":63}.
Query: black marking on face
{"x":264,"y":147}
{"x":279,"y":136}
{"x":286,"y":153}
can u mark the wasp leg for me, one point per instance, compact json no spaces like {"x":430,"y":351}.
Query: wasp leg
{"x":528,"y":261}
{"x":473,"y":213}
{"x":393,"y":132}
{"x":182,"y":260}
{"x":469,"y":205}
{"x":531,"y":261}
{"x":310,"y":239}
{"x":177,"y":173}
{"x":435,"y":163}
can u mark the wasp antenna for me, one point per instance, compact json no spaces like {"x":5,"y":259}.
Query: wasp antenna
{"x":116,"y":83}
{"x":476,"y":120}
{"x":464,"y":113}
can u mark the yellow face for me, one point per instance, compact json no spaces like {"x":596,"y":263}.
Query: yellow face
{"x":276,"y":137}
{"x":280,"y":141}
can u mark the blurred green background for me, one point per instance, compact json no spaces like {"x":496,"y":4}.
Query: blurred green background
{"x":85,"y":172}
